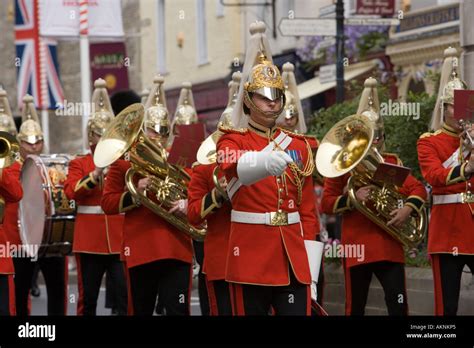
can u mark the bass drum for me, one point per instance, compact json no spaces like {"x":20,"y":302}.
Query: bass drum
{"x":46,"y":216}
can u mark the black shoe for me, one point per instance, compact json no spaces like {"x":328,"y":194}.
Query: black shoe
{"x":35,"y":291}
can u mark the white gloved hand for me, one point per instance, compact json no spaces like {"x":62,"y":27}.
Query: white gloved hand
{"x":276,"y":162}
{"x":256,"y":165}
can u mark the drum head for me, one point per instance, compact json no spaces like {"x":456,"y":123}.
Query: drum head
{"x":32,"y":206}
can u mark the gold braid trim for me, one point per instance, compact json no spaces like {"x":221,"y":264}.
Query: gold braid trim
{"x":298,"y":174}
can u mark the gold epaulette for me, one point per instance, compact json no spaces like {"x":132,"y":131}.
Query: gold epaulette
{"x":310,"y":136}
{"x":399,"y":161}
{"x":229,"y":130}
{"x":293,"y":134}
{"x":195,"y":164}
{"x":429,"y":134}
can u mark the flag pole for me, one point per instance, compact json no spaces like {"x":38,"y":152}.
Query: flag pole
{"x":85,"y":69}
{"x":43,"y":93}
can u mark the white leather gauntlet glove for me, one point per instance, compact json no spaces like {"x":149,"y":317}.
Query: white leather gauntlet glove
{"x":256,"y":165}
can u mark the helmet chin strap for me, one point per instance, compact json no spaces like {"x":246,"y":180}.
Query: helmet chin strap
{"x":269,"y":114}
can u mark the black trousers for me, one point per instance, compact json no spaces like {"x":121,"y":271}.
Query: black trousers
{"x":169,"y":279}
{"x":91,"y":270}
{"x":292,"y":299}
{"x":392,"y":278}
{"x":219,"y":297}
{"x":6,"y":293}
{"x":447,"y":272}
{"x":54,"y":273}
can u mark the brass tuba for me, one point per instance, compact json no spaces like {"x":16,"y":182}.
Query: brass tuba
{"x":9,"y":150}
{"x":9,"y":153}
{"x":148,"y":159}
{"x":207,"y":154}
{"x":348,"y":147}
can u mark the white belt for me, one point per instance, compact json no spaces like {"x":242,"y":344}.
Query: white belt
{"x":90,"y":209}
{"x":272,"y":218}
{"x":449,"y":199}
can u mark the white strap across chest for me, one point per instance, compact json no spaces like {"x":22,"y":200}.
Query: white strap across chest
{"x":283,"y":140}
{"x":453,"y":160}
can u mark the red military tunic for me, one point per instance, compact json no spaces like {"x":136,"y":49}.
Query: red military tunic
{"x":262,"y":254}
{"x":203,"y":205}
{"x":358,"y":230}
{"x":10,"y":220}
{"x":93,"y":233}
{"x":11,"y":193}
{"x":451,"y":225}
{"x":146,"y":236}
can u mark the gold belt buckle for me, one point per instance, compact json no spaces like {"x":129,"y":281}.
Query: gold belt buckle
{"x":278,"y":218}
{"x":467,"y":197}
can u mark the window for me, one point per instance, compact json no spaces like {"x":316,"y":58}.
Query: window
{"x":201,"y":32}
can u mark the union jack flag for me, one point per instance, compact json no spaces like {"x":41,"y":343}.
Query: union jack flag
{"x":31,"y":65}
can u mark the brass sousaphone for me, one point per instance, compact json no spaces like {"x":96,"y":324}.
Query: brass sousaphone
{"x":148,"y":159}
{"x":9,"y":153}
{"x":207,"y":154}
{"x":348,"y":147}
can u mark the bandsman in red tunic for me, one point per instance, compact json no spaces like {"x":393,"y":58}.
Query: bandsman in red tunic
{"x":97,"y":236}
{"x":447,"y":164}
{"x":10,"y":192}
{"x":292,"y":118}
{"x":208,"y":203}
{"x":158,"y":256}
{"x":378,"y":253}
{"x":54,"y":268}
{"x":268,"y":171}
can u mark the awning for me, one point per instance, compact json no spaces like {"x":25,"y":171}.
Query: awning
{"x":314,"y":86}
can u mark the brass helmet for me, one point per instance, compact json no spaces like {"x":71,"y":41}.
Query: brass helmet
{"x":185,"y":110}
{"x":369,"y":106}
{"x":226,"y":117}
{"x":30,"y":130}
{"x":448,"y":83}
{"x":7,"y":124}
{"x":156,"y":112}
{"x":454,"y":82}
{"x":292,"y":108}
{"x":259,"y":75}
{"x":102,"y":113}
{"x":264,"y":79}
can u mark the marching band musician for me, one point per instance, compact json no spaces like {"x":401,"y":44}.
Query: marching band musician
{"x":268,"y":171}
{"x":54,"y":268}
{"x":382,"y":254}
{"x":11,"y":192}
{"x":292,"y":118}
{"x":447,"y":164}
{"x":97,"y":237}
{"x":119,"y":101}
{"x":158,"y":256}
{"x":185,"y":115}
{"x":206,"y":203}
